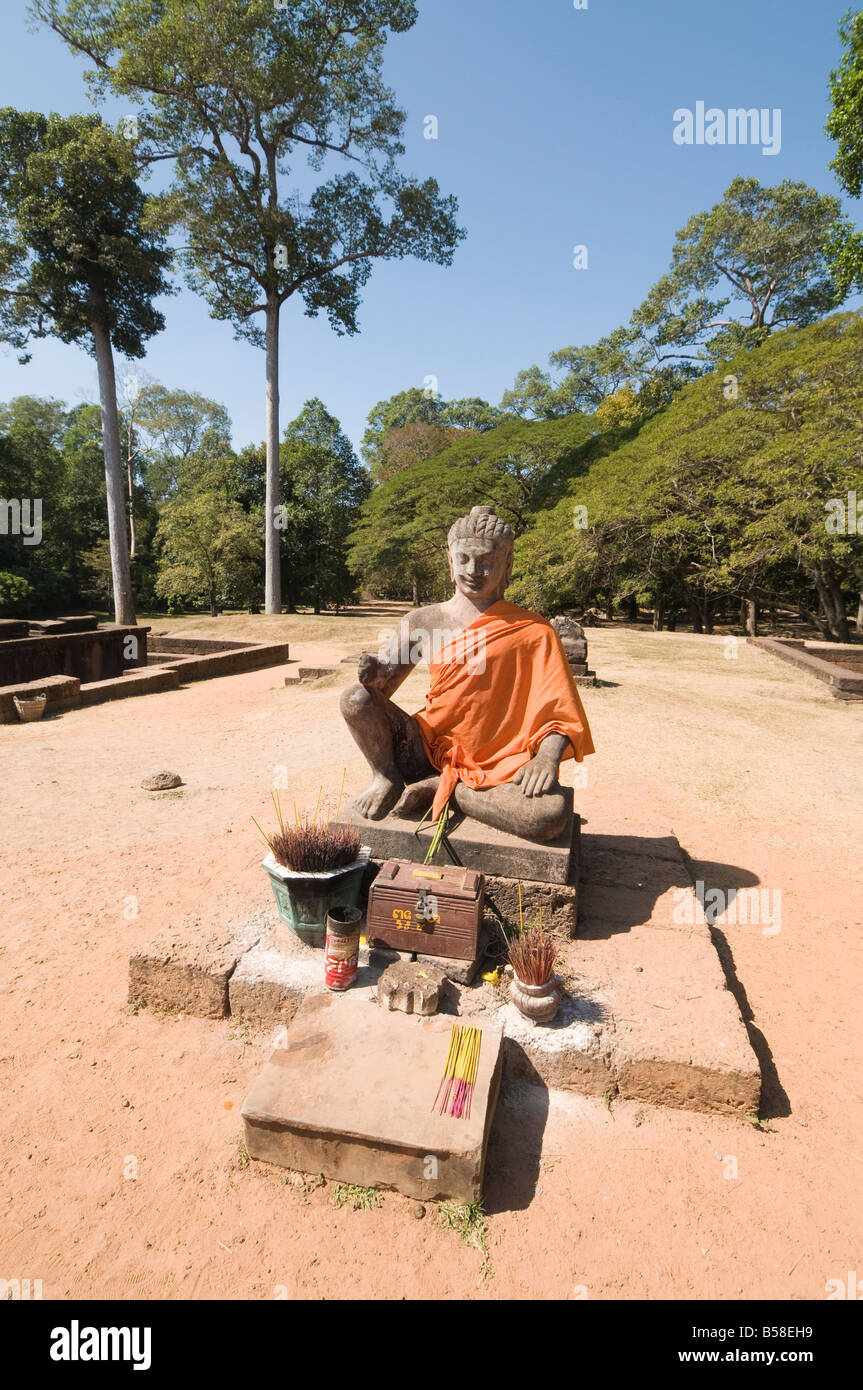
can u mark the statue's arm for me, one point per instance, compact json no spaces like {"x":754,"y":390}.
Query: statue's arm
{"x":393,"y":664}
{"x":540,"y":774}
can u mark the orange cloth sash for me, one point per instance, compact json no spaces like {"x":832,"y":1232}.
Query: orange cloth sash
{"x":496,"y":691}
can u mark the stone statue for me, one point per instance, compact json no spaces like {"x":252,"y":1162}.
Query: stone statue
{"x":502,"y":709}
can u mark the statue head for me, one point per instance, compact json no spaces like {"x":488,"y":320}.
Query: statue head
{"x":480,"y":553}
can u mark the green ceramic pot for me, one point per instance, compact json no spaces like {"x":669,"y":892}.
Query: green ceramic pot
{"x":304,"y":900}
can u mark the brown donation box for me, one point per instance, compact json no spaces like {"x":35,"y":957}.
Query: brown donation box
{"x":433,"y":909}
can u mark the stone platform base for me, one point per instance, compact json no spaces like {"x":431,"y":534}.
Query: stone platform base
{"x":648,"y":1015}
{"x":476,"y":846}
{"x":349,"y":1094}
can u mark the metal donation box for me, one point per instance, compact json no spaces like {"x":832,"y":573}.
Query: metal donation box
{"x":435,"y":910}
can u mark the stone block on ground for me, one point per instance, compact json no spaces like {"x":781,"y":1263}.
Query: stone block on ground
{"x":558,"y":902}
{"x":148,"y":680}
{"x":572,"y":1053}
{"x":350,"y":1095}
{"x":679,"y":1038}
{"x":414,"y":987}
{"x":187,"y":968}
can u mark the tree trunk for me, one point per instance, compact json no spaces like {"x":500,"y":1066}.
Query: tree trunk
{"x":751,"y":616}
{"x":632,"y":612}
{"x":840,"y":621}
{"x":695,"y":616}
{"x":272,"y":558}
{"x":832,"y":602}
{"x":131,"y":511}
{"x":124,"y":606}
{"x":415,"y":593}
{"x":707,"y":617}
{"x":860,"y":614}
{"x":657,"y":616}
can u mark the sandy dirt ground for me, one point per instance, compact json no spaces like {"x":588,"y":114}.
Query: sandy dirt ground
{"x":122,"y":1171}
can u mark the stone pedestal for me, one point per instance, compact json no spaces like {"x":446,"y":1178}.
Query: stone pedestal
{"x":350,"y":1095}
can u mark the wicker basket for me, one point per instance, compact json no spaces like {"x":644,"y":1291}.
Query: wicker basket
{"x":30,"y":707}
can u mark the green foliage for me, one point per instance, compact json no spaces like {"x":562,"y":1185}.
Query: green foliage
{"x":43,"y":457}
{"x":845,"y":126}
{"x":399,"y":545}
{"x":323,"y":484}
{"x":211,"y":551}
{"x":15,"y":591}
{"x":765,"y":249}
{"x":468,"y":1220}
{"x":186,"y":432}
{"x":359,"y":1198}
{"x":73,"y":244}
{"x":723,"y":494}
{"x":423,"y":419}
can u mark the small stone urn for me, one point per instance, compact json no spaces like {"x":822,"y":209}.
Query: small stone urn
{"x":539,"y":1003}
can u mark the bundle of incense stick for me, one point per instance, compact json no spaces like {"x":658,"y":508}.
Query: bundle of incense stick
{"x":459,"y":1076}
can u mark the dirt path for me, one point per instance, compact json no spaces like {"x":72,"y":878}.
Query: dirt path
{"x":121,"y":1172}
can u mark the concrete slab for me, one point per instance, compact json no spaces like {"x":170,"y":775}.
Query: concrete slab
{"x":476,"y":847}
{"x":350,"y":1095}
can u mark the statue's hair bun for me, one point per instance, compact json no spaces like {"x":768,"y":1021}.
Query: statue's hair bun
{"x":482,"y":522}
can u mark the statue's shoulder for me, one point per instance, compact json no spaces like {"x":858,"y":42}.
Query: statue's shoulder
{"x":429,"y":618}
{"x":511,"y":613}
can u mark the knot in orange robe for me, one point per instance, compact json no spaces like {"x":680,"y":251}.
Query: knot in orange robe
{"x":500,"y":687}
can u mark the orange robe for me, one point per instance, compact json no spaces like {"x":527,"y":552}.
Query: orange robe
{"x":500,"y":687}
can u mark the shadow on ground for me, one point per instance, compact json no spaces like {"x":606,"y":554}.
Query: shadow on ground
{"x":515,"y":1146}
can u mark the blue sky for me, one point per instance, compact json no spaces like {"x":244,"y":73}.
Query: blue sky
{"x":555,"y":129}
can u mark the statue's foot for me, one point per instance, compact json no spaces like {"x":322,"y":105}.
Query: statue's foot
{"x":417,"y":797}
{"x":380,"y":796}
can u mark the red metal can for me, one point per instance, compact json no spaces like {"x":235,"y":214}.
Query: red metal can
{"x":342,"y":951}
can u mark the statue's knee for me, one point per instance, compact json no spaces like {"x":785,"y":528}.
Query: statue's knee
{"x":354,"y":701}
{"x":548,"y":816}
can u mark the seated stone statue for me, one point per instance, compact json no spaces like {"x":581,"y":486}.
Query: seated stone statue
{"x":502,"y":709}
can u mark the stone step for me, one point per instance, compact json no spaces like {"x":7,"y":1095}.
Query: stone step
{"x":351,"y":1092}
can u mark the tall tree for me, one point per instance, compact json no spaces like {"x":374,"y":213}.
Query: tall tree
{"x":845,"y":126}
{"x":77,"y":262}
{"x":324,"y":484}
{"x":416,"y":407}
{"x":210,"y":549}
{"x":180,"y":426}
{"x":764,"y":250}
{"x":233,"y":98}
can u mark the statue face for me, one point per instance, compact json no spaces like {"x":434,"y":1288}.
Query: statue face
{"x":480,"y":570}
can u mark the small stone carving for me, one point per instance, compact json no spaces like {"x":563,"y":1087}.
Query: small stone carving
{"x":411,"y":987}
{"x":574,"y":644}
{"x":162,"y":782}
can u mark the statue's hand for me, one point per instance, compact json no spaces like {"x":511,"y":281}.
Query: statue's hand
{"x":368,"y":669}
{"x":538,"y":776}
